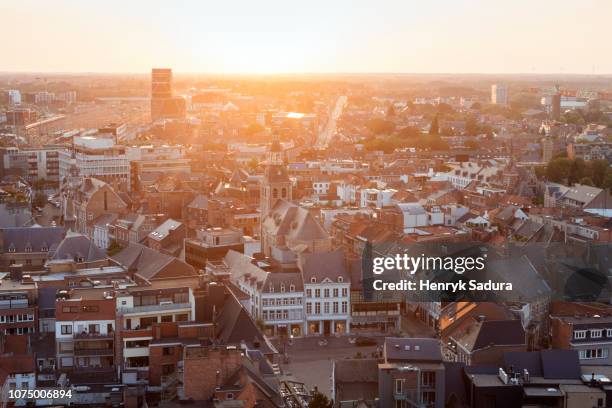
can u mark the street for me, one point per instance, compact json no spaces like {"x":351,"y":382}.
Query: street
{"x":330,"y":129}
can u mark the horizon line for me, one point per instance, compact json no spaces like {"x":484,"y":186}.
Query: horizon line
{"x":268,"y":74}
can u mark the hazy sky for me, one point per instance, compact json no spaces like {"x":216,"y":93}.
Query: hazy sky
{"x":259,"y":36}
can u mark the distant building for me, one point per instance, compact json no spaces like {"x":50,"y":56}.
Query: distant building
{"x":14,"y":97}
{"x":163,"y":104}
{"x":499,"y":94}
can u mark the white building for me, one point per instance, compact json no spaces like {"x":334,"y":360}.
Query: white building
{"x":327,"y":291}
{"x":375,"y":197}
{"x":95,"y":157}
{"x":499,"y":94}
{"x":275,"y":298}
{"x":44,"y":98}
{"x":14,"y":97}
{"x":462,"y":174}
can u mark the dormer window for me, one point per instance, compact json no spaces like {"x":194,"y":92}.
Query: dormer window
{"x":44,"y":249}
{"x":271,"y":289}
{"x":340,"y":279}
{"x":282,"y":288}
{"x":28,"y":248}
{"x":313,"y":280}
{"x":291,"y":288}
{"x":12,"y":248}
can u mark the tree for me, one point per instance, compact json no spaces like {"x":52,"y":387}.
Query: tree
{"x":599,"y":169}
{"x":113,"y":248}
{"x":577,"y":171}
{"x":39,"y":200}
{"x":253,"y":129}
{"x":471,"y":143}
{"x":586,"y":181}
{"x":434,"y":129}
{"x":558,"y":170}
{"x":319,"y":400}
{"x":380,"y":126}
{"x":408,"y":132}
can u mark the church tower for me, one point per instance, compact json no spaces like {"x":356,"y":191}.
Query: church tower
{"x":276,"y":184}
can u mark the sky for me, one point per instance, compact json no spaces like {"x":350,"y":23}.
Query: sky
{"x":331,"y":36}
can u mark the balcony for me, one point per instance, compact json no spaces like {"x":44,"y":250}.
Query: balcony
{"x":167,"y":307}
{"x":93,"y":336}
{"x":136,"y":333}
{"x":94,"y":352}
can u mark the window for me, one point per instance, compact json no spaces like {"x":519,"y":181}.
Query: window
{"x":340,"y":279}
{"x":326,"y":293}
{"x":275,"y":193}
{"x":596,"y":333}
{"x":308,"y":308}
{"x":580,"y":334}
{"x":229,"y":395}
{"x":326,"y":307}
{"x":317,"y":293}
{"x":271,"y":289}
{"x":608,"y":332}
{"x":292,"y":288}
{"x":344,"y":307}
{"x":398,"y":386}
{"x":167,"y":351}
{"x":317,"y":308}
{"x":66,"y":329}
{"x":428,"y":378}
{"x":282,"y":288}
{"x":313,"y":280}
{"x":344,"y":292}
{"x":589,"y":354}
{"x":335,"y":292}
{"x":308,"y":292}
{"x":335,"y":307}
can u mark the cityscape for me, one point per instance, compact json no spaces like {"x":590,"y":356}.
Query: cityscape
{"x":175,"y":235}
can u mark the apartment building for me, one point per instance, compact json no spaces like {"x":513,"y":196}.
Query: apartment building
{"x":412,"y":373}
{"x":150,"y":161}
{"x":18,"y":307}
{"x":139,"y":309}
{"x":85,"y":331}
{"x":590,"y":336}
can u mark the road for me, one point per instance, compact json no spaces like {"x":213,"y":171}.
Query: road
{"x":327,"y":134}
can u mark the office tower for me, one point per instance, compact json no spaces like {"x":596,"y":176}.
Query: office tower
{"x":163,"y":104}
{"x":555,"y":108}
{"x":14,"y":97}
{"x":499,"y":94}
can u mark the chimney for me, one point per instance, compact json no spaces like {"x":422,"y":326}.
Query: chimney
{"x":16,"y":272}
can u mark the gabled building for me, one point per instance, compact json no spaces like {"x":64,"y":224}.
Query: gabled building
{"x":30,"y":247}
{"x":327,"y":288}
